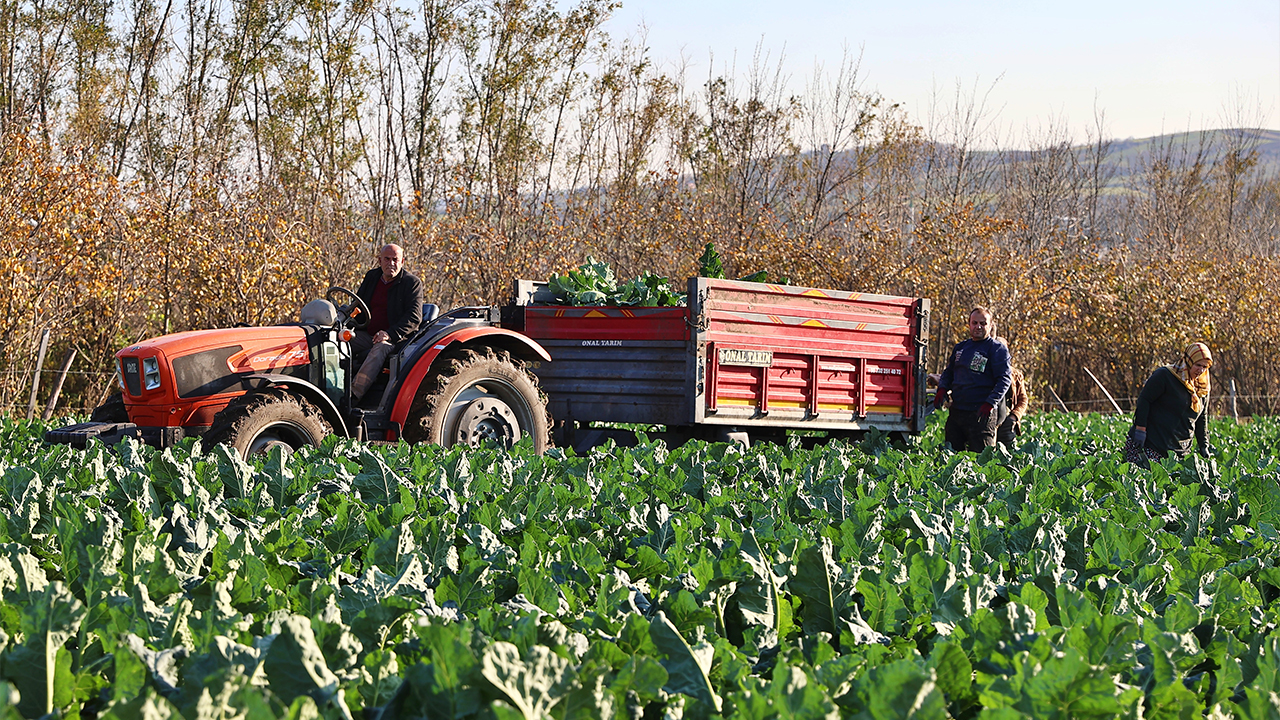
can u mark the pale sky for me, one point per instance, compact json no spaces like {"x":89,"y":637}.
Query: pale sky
{"x":1151,"y":67}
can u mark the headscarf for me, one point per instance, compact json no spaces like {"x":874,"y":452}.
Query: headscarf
{"x":1198,"y":386}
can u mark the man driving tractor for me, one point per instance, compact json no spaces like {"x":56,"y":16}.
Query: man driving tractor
{"x":394,"y":297}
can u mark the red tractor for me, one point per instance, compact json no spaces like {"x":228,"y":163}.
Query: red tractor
{"x":460,"y":379}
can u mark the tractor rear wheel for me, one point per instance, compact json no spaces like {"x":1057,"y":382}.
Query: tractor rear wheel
{"x":263,"y":419}
{"x":474,"y":397}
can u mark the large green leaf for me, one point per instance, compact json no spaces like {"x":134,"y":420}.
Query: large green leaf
{"x":758,"y":600}
{"x":130,"y":674}
{"x":469,"y":590}
{"x":40,"y":668}
{"x":643,"y":676}
{"x":534,"y":683}
{"x":43,"y":681}
{"x":174,"y":477}
{"x":815,"y":583}
{"x":278,"y":478}
{"x":796,"y":697}
{"x":1062,"y":686}
{"x":901,"y":690}
{"x":377,"y":483}
{"x":1261,"y":493}
{"x":448,"y":678}
{"x":21,"y":576}
{"x":148,"y":706}
{"x":294,"y":666}
{"x":688,"y":665}
{"x":235,"y":475}
{"x":952,"y":670}
{"x":538,"y":588}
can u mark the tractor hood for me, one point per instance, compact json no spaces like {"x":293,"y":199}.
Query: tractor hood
{"x":184,"y":343}
{"x":207,"y":362}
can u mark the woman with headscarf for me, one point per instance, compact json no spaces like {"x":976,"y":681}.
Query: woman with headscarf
{"x":1018,"y":402}
{"x":1172,"y":408}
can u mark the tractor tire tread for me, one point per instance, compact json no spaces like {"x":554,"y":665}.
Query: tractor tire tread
{"x":454,"y":363}
{"x":243,"y":413}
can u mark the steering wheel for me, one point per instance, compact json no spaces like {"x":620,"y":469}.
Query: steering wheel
{"x":356,"y":312}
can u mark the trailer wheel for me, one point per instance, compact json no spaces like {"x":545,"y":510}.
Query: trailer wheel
{"x":112,"y":410}
{"x":475,"y":397}
{"x":263,"y":419}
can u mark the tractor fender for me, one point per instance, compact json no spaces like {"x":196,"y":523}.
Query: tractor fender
{"x":513,"y":342}
{"x":304,"y":389}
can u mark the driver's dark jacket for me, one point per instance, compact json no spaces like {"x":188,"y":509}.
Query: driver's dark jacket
{"x":404,"y":302}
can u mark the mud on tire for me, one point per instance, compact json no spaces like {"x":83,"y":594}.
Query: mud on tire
{"x":477,"y":396}
{"x":263,"y":419}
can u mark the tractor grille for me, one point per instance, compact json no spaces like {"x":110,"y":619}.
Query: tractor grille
{"x":132,"y":374}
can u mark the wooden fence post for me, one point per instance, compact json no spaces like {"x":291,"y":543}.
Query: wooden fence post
{"x":57,"y":384}
{"x":35,"y":377}
{"x":112,"y":385}
{"x":1114,"y":404}
{"x":1055,"y":397}
{"x":1235,"y":412}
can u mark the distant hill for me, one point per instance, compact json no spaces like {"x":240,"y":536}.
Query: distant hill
{"x":1126,"y":156}
{"x":1129,"y":156}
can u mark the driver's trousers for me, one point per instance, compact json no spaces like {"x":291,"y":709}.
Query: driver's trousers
{"x":375,"y":357}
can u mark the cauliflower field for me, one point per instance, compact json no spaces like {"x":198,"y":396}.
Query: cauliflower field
{"x":859,"y":581}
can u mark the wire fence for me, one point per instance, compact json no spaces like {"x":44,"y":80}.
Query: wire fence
{"x":1218,"y":404}
{"x":48,"y":374}
{"x":1131,"y":401}
{"x":54,"y":371}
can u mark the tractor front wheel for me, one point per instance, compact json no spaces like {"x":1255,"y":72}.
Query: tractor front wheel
{"x":263,"y":419}
{"x":477,"y":397}
{"x":112,"y":410}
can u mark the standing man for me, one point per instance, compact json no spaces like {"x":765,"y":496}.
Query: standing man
{"x":977,"y":376}
{"x":394,"y":297}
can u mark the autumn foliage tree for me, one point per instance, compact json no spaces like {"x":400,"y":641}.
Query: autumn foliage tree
{"x":173,"y":166}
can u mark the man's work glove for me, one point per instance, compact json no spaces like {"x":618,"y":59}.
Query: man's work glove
{"x":1139,"y":437}
{"x":939,"y":397}
{"x":984,"y":411}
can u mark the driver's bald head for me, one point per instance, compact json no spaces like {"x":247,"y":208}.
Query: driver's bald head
{"x":391,"y":258}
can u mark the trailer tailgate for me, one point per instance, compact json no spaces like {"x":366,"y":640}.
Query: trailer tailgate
{"x":804,"y":357}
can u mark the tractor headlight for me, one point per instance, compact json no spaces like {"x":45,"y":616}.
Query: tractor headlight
{"x":120,"y":374}
{"x":150,"y":373}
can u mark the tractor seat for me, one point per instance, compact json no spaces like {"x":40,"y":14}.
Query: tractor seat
{"x":430,"y":312}
{"x":319,"y":312}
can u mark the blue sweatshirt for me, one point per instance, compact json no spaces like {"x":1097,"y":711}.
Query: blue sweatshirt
{"x":978,"y":372}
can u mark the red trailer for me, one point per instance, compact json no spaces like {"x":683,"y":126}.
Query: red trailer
{"x":743,"y":357}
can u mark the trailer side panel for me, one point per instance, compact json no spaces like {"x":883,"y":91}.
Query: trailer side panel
{"x":622,"y":365}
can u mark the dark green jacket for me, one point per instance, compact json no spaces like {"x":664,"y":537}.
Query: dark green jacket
{"x":1164,"y":408}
